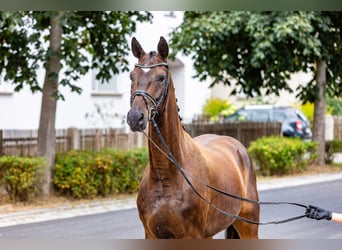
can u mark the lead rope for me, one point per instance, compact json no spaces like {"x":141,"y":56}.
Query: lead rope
{"x":185,"y":175}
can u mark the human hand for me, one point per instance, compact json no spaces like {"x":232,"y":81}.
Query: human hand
{"x":318,"y":213}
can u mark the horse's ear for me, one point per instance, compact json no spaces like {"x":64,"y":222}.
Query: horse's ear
{"x":137,"y":50}
{"x":163,"y":48}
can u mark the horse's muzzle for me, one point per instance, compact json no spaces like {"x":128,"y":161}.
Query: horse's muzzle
{"x":137,"y":120}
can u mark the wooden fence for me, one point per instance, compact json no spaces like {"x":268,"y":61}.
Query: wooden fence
{"x":24,"y":142}
{"x":245,"y":132}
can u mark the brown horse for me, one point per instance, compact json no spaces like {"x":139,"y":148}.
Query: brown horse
{"x":168,"y":206}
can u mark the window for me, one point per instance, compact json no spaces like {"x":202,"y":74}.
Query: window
{"x":104,"y":88}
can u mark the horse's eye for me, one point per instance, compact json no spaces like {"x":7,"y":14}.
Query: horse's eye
{"x":160,"y":78}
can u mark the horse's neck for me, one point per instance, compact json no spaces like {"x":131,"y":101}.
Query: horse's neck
{"x":173,"y":133}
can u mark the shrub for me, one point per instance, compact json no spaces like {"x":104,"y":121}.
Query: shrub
{"x":332,"y":147}
{"x":72,"y":174}
{"x":214,"y":107}
{"x":281,"y":155}
{"x":127,"y":169}
{"x":21,"y":177}
{"x":85,"y":174}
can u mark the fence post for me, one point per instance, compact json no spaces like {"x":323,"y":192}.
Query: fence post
{"x":1,"y":142}
{"x":73,"y":139}
{"x":98,"y":139}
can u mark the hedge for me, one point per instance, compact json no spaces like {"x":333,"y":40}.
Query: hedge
{"x":86,"y":174}
{"x":281,"y":155}
{"x":21,"y":177}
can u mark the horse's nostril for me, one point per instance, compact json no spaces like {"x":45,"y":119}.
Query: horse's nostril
{"x":141,"y":119}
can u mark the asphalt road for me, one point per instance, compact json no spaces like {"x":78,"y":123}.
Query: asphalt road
{"x":125,"y":224}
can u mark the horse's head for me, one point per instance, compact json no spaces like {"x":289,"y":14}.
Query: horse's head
{"x":150,"y":83}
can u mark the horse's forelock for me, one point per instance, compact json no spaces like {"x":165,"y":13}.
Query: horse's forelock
{"x":152,"y":54}
{"x":149,"y":58}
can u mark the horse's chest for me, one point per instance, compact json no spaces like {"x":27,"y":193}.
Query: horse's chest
{"x":156,"y":201}
{"x":164,"y":215}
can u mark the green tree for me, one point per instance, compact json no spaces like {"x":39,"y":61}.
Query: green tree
{"x":72,"y":42}
{"x":260,"y":50}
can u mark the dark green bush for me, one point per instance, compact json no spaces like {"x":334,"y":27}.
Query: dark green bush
{"x":85,"y":174}
{"x":21,"y":177}
{"x":281,"y":155}
{"x":332,"y":147}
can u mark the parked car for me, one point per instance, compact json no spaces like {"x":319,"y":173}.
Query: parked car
{"x":294,"y":122}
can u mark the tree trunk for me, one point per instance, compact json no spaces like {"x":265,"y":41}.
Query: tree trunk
{"x":319,"y":112}
{"x":46,"y":131}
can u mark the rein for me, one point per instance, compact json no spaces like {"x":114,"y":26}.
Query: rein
{"x":168,"y":154}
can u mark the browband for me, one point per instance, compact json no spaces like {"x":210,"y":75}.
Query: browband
{"x":146,"y":66}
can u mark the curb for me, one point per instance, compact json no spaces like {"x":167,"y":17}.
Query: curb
{"x":63,"y":212}
{"x":298,"y":180}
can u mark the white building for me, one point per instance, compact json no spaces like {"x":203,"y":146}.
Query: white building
{"x":105,"y":105}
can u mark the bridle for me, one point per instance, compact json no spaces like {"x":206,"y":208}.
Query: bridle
{"x":156,"y":102}
{"x":152,"y":112}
